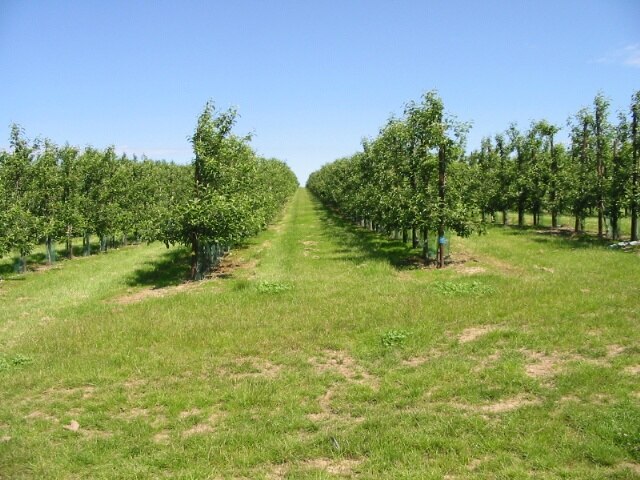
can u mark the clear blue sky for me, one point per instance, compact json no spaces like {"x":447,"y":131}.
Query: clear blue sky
{"x":310,"y":79}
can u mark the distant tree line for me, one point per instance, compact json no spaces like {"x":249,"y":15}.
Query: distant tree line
{"x":414,"y":178}
{"x":51,"y":193}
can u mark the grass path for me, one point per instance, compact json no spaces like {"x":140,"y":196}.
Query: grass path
{"x":325,"y":355}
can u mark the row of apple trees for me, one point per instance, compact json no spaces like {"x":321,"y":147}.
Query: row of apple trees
{"x":412,"y":178}
{"x":415,"y":177}
{"x":597,"y":173}
{"x":234,"y":193}
{"x":52,"y":194}
{"x":57,"y":194}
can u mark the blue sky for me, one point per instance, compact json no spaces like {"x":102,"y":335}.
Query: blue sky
{"x":310,"y":79}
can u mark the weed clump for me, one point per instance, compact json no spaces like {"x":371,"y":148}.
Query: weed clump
{"x":15,"y":361}
{"x":461,"y":288}
{"x":394,"y":338}
{"x":273,"y":287}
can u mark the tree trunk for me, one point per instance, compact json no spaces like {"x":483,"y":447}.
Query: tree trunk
{"x":505,"y":218}
{"x":49,"y":247}
{"x":69,"y":242}
{"x":405,"y":235}
{"x":22,"y":264}
{"x":635,"y":111}
{"x":599,"y":171}
{"x":414,"y":238}
{"x":425,"y":244}
{"x":195,"y":247}
{"x":86,"y":244}
{"x":442,"y":182}
{"x":520,"y":215}
{"x":615,"y":205}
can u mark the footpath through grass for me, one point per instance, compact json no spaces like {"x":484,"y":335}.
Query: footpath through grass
{"x":324,"y":354}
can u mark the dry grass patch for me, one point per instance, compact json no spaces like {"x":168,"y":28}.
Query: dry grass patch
{"x":486,"y":362}
{"x":422,"y":359}
{"x":469,"y":269}
{"x":207,"y":426}
{"x":141,"y":295}
{"x":343,"y":364}
{"x":343,"y":467}
{"x":38,"y":415}
{"x":162,"y":437}
{"x":472,"y":333}
{"x":74,"y":426}
{"x":134,"y":413}
{"x":541,"y":364}
{"x":502,"y":406}
{"x":633,"y":370}
{"x":633,"y":466}
{"x":190,"y":413}
{"x":85,"y":392}
{"x":134,"y":383}
{"x":249,"y":367}
{"x":615,"y":350}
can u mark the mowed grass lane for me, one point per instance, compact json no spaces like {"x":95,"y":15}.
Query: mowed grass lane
{"x":324,"y":354}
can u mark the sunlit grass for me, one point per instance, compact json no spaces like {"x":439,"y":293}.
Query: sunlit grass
{"x":325,"y":355}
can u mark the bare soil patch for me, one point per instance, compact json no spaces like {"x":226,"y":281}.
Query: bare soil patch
{"x":229,"y":264}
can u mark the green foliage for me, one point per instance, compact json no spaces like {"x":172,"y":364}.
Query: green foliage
{"x":234,"y":194}
{"x":394,"y":338}
{"x":395,"y":183}
{"x":50,"y":193}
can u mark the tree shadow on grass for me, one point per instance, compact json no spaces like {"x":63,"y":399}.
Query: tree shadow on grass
{"x":559,"y":238}
{"x":171,"y":269}
{"x":358,"y":244}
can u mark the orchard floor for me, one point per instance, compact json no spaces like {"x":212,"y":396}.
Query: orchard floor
{"x":321,"y":351}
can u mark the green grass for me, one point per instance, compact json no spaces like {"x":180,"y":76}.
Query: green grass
{"x":326,"y":355}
